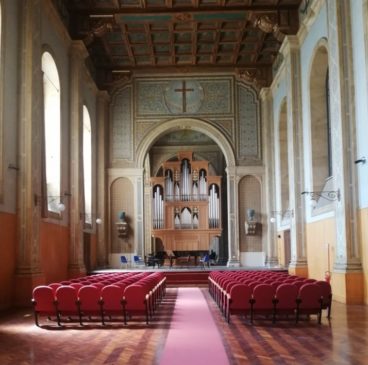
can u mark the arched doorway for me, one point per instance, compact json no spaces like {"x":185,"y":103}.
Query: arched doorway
{"x":149,"y":160}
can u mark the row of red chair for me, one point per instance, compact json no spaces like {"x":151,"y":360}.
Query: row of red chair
{"x":124,"y":296}
{"x":269,"y":294}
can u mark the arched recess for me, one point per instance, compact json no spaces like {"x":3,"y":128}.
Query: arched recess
{"x":122,"y":199}
{"x":232,"y":189}
{"x":250,"y":197}
{"x":185,"y":123}
{"x":319,"y":114}
{"x":283,"y":158}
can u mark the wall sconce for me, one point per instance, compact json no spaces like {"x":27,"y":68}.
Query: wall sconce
{"x":250,"y":224}
{"x":122,"y":226}
{"x":60,"y":207}
{"x":288,"y":213}
{"x":362,"y":160}
{"x":11,"y":166}
{"x":331,"y":195}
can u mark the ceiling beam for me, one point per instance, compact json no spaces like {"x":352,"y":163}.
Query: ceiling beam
{"x":163,"y":10}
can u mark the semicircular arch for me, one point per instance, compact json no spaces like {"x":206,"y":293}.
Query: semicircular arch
{"x":185,"y":123}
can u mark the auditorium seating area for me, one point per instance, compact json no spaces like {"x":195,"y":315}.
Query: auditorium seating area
{"x":119,"y":297}
{"x":274,"y":295}
{"x":101,"y":297}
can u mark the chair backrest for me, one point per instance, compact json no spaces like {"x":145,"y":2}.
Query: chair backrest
{"x":326,"y":291}
{"x":135,"y":296}
{"x":89,"y":298}
{"x":66,"y":297}
{"x":310,"y":296}
{"x":286,"y":295}
{"x":263,"y":295}
{"x":43,"y":299}
{"x":76,"y":286}
{"x":240,"y":296}
{"x":123,"y":259}
{"x":137,"y":259}
{"x":112,"y":296}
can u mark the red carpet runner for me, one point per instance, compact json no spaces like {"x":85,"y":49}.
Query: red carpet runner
{"x":193,"y":338}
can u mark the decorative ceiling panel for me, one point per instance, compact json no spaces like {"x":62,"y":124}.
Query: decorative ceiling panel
{"x":125,"y":35}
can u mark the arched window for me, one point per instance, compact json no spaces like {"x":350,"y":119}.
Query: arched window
{"x":328,"y":120}
{"x":87,"y":166}
{"x":284,"y":163}
{"x":51,"y":96}
{"x":1,"y":103}
{"x":320,"y":119}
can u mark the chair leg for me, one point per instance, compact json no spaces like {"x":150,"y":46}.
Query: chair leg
{"x":58,"y":319}
{"x":36,"y":319}
{"x":329,"y":310}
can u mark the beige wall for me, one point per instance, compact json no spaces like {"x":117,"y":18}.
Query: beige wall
{"x":363,"y":218}
{"x":320,"y":242}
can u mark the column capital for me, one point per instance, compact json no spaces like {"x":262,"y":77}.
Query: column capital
{"x":289,"y":45}
{"x":265,"y":94}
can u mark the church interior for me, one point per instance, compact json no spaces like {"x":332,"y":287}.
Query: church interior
{"x":189,"y":136}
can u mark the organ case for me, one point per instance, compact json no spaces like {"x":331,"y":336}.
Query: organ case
{"x":186,"y":204}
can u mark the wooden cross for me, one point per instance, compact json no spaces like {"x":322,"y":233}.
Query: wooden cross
{"x":184,"y":91}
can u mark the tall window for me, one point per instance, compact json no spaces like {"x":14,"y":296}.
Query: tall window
{"x":329,"y":142}
{"x":1,"y":106}
{"x":87,"y":165}
{"x":51,"y":95}
{"x":320,"y":119}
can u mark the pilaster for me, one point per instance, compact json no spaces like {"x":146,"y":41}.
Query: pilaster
{"x":233,"y":217}
{"x":28,"y":267}
{"x":291,"y":52}
{"x":270,"y":242}
{"x":103,"y":100}
{"x":343,"y":122}
{"x":77,"y":56}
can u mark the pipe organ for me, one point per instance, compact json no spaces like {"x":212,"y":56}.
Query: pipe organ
{"x":186,"y":204}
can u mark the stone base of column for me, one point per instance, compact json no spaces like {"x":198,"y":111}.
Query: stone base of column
{"x":348,"y":287}
{"x":299,"y":269}
{"x":233,"y":263}
{"x":272,"y":261}
{"x":76,"y":270}
{"x":24,"y":285}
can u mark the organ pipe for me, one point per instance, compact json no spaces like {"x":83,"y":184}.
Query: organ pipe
{"x":158,"y":207}
{"x":214,"y":207}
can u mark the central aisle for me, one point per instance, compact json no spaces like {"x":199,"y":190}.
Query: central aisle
{"x":193,"y":337}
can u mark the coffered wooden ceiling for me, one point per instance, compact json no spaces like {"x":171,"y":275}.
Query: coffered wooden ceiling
{"x":129,"y":35}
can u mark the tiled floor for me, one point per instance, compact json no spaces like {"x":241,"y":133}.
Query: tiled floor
{"x":343,"y":340}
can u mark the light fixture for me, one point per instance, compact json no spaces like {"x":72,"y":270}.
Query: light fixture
{"x":362,"y":160}
{"x":122,"y":226}
{"x":288,"y":213}
{"x":11,"y":166}
{"x":250,"y":224}
{"x":330,"y":195}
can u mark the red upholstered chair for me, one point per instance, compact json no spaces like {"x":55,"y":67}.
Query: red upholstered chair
{"x":326,"y":296}
{"x":66,"y":303}
{"x":112,"y":301}
{"x":286,"y":296}
{"x":89,"y":302}
{"x":254,"y":283}
{"x":227,"y":290}
{"x":76,"y":286}
{"x":136,"y":301}
{"x":54,"y":286}
{"x":43,"y":301}
{"x":263,"y":301}
{"x":309,"y":301}
{"x":238,"y":300}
